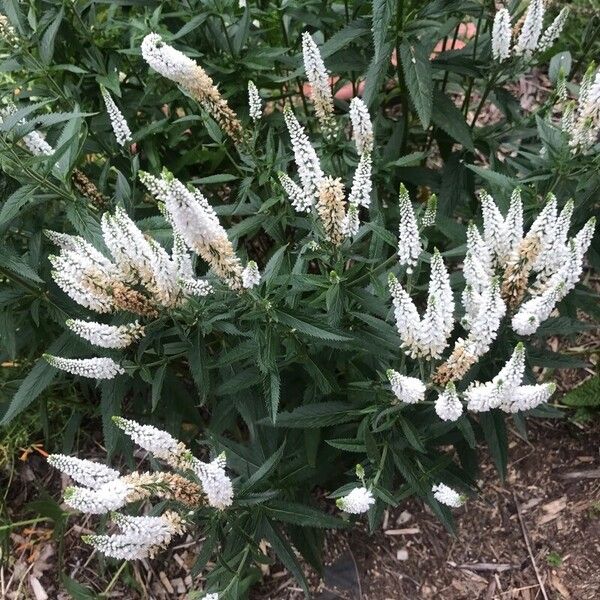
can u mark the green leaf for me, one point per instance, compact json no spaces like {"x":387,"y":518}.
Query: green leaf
{"x":39,"y":378}
{"x":309,"y":329}
{"x":348,"y":445}
{"x":494,"y":430}
{"x":411,"y":434}
{"x":376,"y":73}
{"x":47,"y":42}
{"x":157,"y":384}
{"x":498,"y":179}
{"x":340,"y":39}
{"x":300,"y":514}
{"x":263,"y":472}
{"x":586,"y":394}
{"x":450,"y":119}
{"x":410,"y":160}
{"x":322,"y":414}
{"x":383,"y":11}
{"x":285,"y":553}
{"x":112,"y":394}
{"x":76,"y":590}
{"x":562,"y":60}
{"x":15,"y":202}
{"x":418,"y":78}
{"x":10,"y":261}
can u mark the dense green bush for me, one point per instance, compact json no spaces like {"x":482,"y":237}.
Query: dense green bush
{"x":285,"y":355}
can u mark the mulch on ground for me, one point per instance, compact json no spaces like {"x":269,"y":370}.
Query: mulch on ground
{"x":553,"y":482}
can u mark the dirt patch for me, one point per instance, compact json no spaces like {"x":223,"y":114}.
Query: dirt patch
{"x":553,"y":479}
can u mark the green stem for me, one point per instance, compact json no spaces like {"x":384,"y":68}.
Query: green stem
{"x":381,"y":464}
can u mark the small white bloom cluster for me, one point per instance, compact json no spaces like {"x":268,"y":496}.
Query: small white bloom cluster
{"x":446,"y":495}
{"x":530,"y":39}
{"x":581,"y":118}
{"x":197,"y":225}
{"x":215,"y":482}
{"x":318,"y":77}
{"x":427,"y":336}
{"x":406,"y":389}
{"x":250,"y":275}
{"x":307,"y":163}
{"x":358,"y":501}
{"x":409,"y":242}
{"x":501,"y":34}
{"x":85,"y":472}
{"x":93,"y":368}
{"x":117,"y":120}
{"x":95,"y":282}
{"x":448,"y":405}
{"x":362,"y":128}
{"x":106,"y":336}
{"x":216,"y":485}
{"x":339,"y":219}
{"x":254,"y":102}
{"x":215,"y":596}
{"x":104,"y":490}
{"x":505,"y":390}
{"x":140,"y":537}
{"x":177,"y":67}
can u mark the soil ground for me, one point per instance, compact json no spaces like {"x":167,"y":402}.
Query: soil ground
{"x":553,"y":482}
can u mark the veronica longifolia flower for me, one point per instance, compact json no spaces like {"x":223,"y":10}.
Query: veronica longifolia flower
{"x":250,"y":275}
{"x":141,"y":537}
{"x":427,"y":336}
{"x":448,"y":405}
{"x":106,"y":336}
{"x":446,"y":495}
{"x":527,"y":41}
{"x":318,"y":78}
{"x":198,"y":225}
{"x":362,"y":128}
{"x":554,"y":30}
{"x":254,"y":102}
{"x":177,"y":67}
{"x":358,"y":501}
{"x":406,"y":389}
{"x":85,"y":472}
{"x":409,"y":242}
{"x":501,"y":35}
{"x":307,"y":161}
{"x":93,"y":368}
{"x":117,"y":120}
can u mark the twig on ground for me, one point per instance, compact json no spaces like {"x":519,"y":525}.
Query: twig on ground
{"x":529,"y":550}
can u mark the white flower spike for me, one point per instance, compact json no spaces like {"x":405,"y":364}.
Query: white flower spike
{"x":448,"y":406}
{"x":362,"y":128}
{"x":318,"y":78}
{"x":93,"y":368}
{"x":409,"y":243}
{"x":250,"y":275}
{"x":358,"y":501}
{"x":254,"y":102}
{"x":501,"y":35}
{"x":406,"y":389}
{"x":85,"y":472}
{"x":446,"y":495}
{"x":528,"y":39}
{"x":117,"y":120}
{"x":106,"y":336}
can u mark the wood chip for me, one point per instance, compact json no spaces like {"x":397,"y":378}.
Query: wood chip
{"x":165,"y":581}
{"x":406,"y":531}
{"x":36,"y":587}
